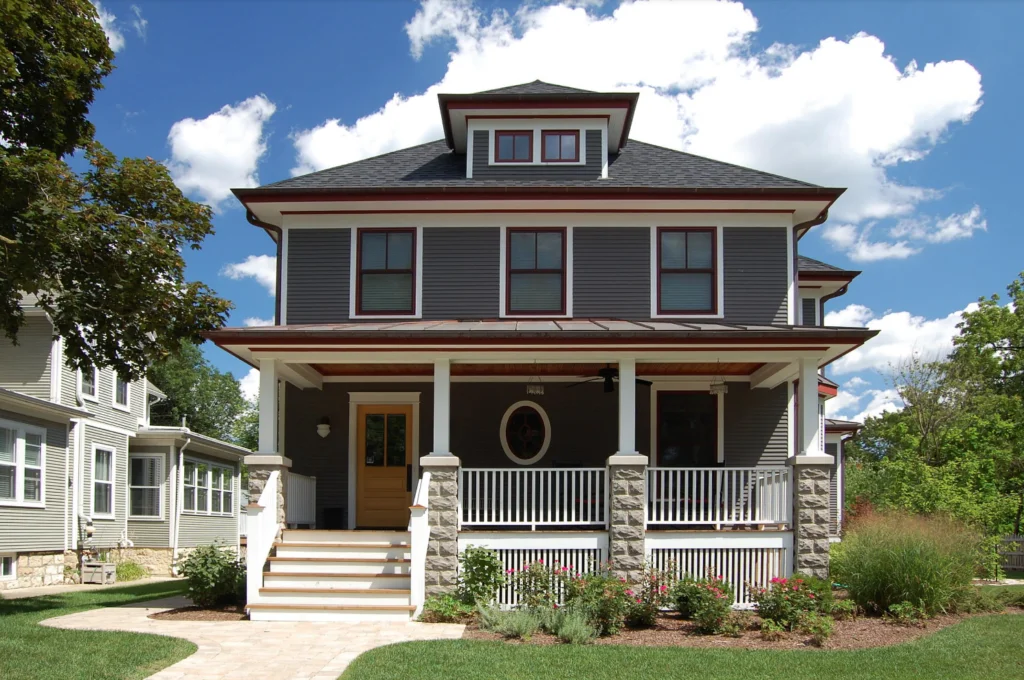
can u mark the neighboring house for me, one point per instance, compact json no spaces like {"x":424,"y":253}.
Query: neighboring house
{"x":542,"y":337}
{"x":77,"y":454}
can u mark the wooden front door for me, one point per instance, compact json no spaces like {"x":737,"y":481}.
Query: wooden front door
{"x":383,"y":465}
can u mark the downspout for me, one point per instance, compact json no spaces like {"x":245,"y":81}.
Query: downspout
{"x":279,"y":240}
{"x":180,"y":484}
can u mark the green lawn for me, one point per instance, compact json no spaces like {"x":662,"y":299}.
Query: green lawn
{"x":28,"y":650}
{"x":985,"y":647}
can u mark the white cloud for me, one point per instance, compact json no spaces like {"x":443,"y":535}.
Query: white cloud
{"x":856,"y":242}
{"x":839,"y":113}
{"x":250,"y":384}
{"x":256,"y":321}
{"x":858,"y":406}
{"x":901,"y":335}
{"x":951,"y":228}
{"x":139,"y":23}
{"x":855,"y":383}
{"x":263,"y":268}
{"x":108,"y":21}
{"x":211,"y":156}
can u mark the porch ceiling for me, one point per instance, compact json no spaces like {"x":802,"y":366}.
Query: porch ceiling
{"x":531,"y":369}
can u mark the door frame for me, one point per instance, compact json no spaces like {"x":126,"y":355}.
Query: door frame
{"x":356,"y":399}
{"x":687,"y":386}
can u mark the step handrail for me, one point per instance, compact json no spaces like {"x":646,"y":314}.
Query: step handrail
{"x":419,"y":537}
{"x":263,"y":526}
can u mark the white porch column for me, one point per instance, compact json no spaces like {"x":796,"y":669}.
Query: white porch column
{"x":268,"y":406}
{"x":810,"y":424}
{"x":442,"y":407}
{"x":627,"y":407}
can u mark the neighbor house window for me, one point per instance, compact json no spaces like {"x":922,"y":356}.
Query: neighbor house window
{"x":513,"y":146}
{"x":386,"y":282}
{"x":536,"y":271}
{"x":21,"y":463}
{"x":144,"y":481}
{"x":120,"y":392}
{"x":90,"y":381}
{"x":686,"y":271}
{"x":189,"y":487}
{"x":560,"y":146}
{"x":209,"y":489}
{"x":8,"y":567}
{"x":103,"y":482}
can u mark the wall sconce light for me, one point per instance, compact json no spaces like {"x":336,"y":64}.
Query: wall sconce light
{"x":323,"y":428}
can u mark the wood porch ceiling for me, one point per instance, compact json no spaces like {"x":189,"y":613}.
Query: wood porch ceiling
{"x":545,"y":369}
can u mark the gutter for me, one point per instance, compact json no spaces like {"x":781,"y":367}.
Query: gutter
{"x":271,"y":230}
{"x":180,"y":485}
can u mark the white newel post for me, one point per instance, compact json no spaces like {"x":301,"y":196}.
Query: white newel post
{"x":811,"y":471}
{"x":627,"y":485}
{"x":441,"y":562}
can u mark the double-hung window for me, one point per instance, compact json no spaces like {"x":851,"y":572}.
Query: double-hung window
{"x":209,"y":489}
{"x":8,"y":567}
{"x":120,"y":393}
{"x":144,"y":484}
{"x":513,"y":146}
{"x":103,"y":482}
{"x":89,"y":381}
{"x":560,"y":146}
{"x":386,"y":279}
{"x":687,"y":271}
{"x":536,"y":271}
{"x":21,"y":463}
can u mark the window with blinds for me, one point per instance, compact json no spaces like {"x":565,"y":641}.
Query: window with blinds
{"x":21,"y":463}
{"x":386,"y":279}
{"x":144,"y":484}
{"x":535,"y":271}
{"x":686,"y":271}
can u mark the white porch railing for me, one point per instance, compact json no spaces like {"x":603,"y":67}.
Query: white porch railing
{"x":262,"y":528}
{"x":301,"y":495}
{"x":532,"y":497}
{"x":718,"y":496}
{"x":419,"y":537}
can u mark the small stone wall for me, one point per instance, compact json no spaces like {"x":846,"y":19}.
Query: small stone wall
{"x":627,"y":530}
{"x":442,"y":564}
{"x":157,"y":561}
{"x":811,"y":520}
{"x":37,"y":569}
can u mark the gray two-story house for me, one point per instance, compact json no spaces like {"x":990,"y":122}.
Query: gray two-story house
{"x":83,"y":473}
{"x":538,"y":335}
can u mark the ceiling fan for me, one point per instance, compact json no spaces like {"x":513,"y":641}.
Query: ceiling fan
{"x":609,"y":375}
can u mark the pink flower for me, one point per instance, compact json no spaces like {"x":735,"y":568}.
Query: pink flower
{"x":662,"y":589}
{"x":630,"y":593}
{"x":638,"y":600}
{"x":540,"y":561}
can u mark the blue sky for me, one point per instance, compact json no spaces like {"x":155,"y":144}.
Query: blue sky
{"x":911,"y":105}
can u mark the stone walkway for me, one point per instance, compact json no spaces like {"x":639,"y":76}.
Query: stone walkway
{"x":256,"y":649}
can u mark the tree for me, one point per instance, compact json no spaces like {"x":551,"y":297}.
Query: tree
{"x":247,"y":426}
{"x":209,"y":400}
{"x":99,"y":250}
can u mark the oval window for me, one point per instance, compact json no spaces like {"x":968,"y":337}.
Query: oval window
{"x":525,"y":432}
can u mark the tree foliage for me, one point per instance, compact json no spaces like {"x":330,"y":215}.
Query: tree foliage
{"x":99,"y":250}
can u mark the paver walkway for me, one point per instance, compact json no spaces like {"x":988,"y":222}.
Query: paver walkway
{"x":256,"y":649}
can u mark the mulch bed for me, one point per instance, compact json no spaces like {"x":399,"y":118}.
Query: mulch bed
{"x":672,"y":631}
{"x":230,"y":612}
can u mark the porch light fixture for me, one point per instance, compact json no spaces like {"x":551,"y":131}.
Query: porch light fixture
{"x":718,"y":385}
{"x":323,"y":428}
{"x":533,"y":385}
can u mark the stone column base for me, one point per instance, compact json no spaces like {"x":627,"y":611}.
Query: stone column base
{"x":441,"y":572}
{"x":260,"y":466}
{"x":627,"y":479}
{"x":811,"y":514}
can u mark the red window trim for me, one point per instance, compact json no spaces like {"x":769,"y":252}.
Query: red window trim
{"x":560,"y":133}
{"x":500,"y":133}
{"x":713,"y":271}
{"x":508,"y":271}
{"x":359,"y":272}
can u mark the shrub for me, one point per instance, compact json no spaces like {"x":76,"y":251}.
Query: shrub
{"x":514,"y":623}
{"x":784,"y":601}
{"x":771,"y":631}
{"x":735,"y":624}
{"x":648,"y":597}
{"x":818,"y":626}
{"x":537,"y":584}
{"x":886,"y":559}
{"x":481,"y":574}
{"x":575,"y":629}
{"x":906,"y":614}
{"x":215,"y":576}
{"x":978,"y":600}
{"x":844,"y":610}
{"x":446,"y":609}
{"x":601,"y":598}
{"x":706,"y":602}
{"x":131,"y":571}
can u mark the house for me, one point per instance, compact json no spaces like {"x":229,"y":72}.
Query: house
{"x":82,"y":468}
{"x":540,"y":336}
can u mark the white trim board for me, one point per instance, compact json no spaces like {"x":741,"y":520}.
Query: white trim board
{"x":717,"y":539}
{"x":534,"y":540}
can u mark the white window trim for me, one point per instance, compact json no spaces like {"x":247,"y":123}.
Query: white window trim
{"x":21,"y":429}
{"x":537,"y":127}
{"x":547,"y":433}
{"x":503,"y":277}
{"x":353,"y":273}
{"x":208,"y":485}
{"x":113,"y":483}
{"x":159,"y":457}
{"x":13,"y":576}
{"x":126,"y":407}
{"x":96,"y":383}
{"x":719,"y":277}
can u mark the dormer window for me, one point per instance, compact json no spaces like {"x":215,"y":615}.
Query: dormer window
{"x":560,"y":146}
{"x":513,"y":146}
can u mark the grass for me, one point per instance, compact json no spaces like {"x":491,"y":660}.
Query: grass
{"x":983,"y":647}
{"x":28,"y":650}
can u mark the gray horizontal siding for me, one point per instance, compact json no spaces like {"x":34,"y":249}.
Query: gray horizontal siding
{"x":107,"y":532}
{"x":592,"y":169}
{"x":755,"y":274}
{"x":611,"y":272}
{"x":756,"y":426}
{"x":832,"y":449}
{"x":197,"y":529}
{"x":809,"y":308}
{"x":23,"y":529}
{"x":25,"y":367}
{"x":461,"y":273}
{"x":319,"y":268}
{"x":147,"y":533}
{"x":102,"y":408}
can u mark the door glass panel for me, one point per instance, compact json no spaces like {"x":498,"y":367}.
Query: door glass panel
{"x":374,"y":440}
{"x":396,"y":440}
{"x":687,"y":430}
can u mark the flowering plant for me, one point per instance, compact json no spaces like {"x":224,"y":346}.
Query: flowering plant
{"x":706,"y":601}
{"x":600,"y":597}
{"x":649,"y":596}
{"x":538,"y":584}
{"x":785,"y":601}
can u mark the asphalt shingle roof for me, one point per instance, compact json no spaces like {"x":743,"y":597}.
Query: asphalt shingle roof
{"x":536,"y":87}
{"x":809,"y":264}
{"x":638,"y":165}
